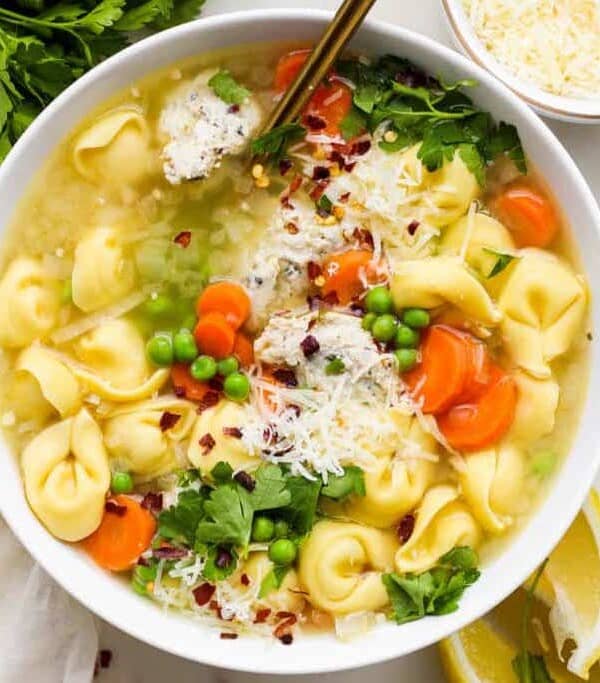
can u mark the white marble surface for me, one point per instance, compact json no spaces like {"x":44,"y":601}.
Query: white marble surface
{"x":134,"y":662}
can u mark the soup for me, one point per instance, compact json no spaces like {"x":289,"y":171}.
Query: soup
{"x":317,"y":389}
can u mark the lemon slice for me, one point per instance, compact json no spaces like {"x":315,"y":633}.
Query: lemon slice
{"x":565,"y":624}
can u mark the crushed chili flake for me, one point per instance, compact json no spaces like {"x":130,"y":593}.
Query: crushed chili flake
{"x":179,"y":391}
{"x":356,"y":309}
{"x":203,"y":593}
{"x":152,"y":502}
{"x":285,"y":615}
{"x":262,"y":615}
{"x":183,"y":239}
{"x":330,"y":299}
{"x":343,"y":198}
{"x":296,"y":183}
{"x":207,"y":442}
{"x":309,"y":345}
{"x":313,"y":270}
{"x":245,"y":580}
{"x":233,"y":108}
{"x":287,"y":639}
{"x":364,"y":238}
{"x":315,"y":122}
{"x":216,"y":383}
{"x":224,"y":558}
{"x":234,"y":432}
{"x":405,"y":527}
{"x":284,"y":166}
{"x":210,"y":399}
{"x":412,"y":227}
{"x":283,"y":629}
{"x":291,"y":228}
{"x":169,"y":552}
{"x":285,"y":376}
{"x":321,"y":173}
{"x":361,"y":147}
{"x":245,"y":480}
{"x":105,"y":658}
{"x":317,"y":191}
{"x":228,"y":636}
{"x":168,"y":420}
{"x":115,"y":508}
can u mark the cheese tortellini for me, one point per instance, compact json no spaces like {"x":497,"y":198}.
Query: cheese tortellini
{"x":216,"y":421}
{"x":66,"y":473}
{"x":536,"y":408}
{"x":543,"y":303}
{"x":428,"y":283}
{"x":102,"y":271}
{"x":115,"y":149}
{"x":137,"y":442}
{"x":29,"y":303}
{"x":492,"y":482}
{"x":341,"y":566}
{"x":442,"y":522}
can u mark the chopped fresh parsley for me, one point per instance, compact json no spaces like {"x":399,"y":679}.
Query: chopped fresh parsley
{"x":271,"y":490}
{"x":503,"y":261}
{"x":222,"y":472}
{"x":353,"y":124}
{"x":335,"y":366}
{"x":275,"y":142}
{"x":434,"y":592}
{"x":273,"y":580}
{"x":530,"y":668}
{"x":324,"y":204}
{"x":224,"y":85}
{"x":179,"y":522}
{"x":351,"y":482}
{"x":227,"y":517}
{"x":302,"y":509}
{"x":47,"y":45}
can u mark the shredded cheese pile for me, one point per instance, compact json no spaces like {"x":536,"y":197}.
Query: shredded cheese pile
{"x":554,"y":44}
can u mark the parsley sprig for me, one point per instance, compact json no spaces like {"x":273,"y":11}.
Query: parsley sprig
{"x":45,"y":45}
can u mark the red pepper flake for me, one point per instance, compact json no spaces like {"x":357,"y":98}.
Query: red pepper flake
{"x":216,"y":383}
{"x":284,"y":166}
{"x":285,"y":615}
{"x":343,"y":198}
{"x":209,"y":400}
{"x":207,"y":443}
{"x":317,"y":191}
{"x":183,"y":239}
{"x":233,"y":432}
{"x":179,"y":391}
{"x":412,"y":227}
{"x":287,"y":638}
{"x":361,"y":147}
{"x":321,"y":173}
{"x":105,"y":658}
{"x":169,"y":552}
{"x":115,"y":508}
{"x":405,"y":527}
{"x":291,"y":228}
{"x":245,"y":580}
{"x":228,"y":636}
{"x":203,"y":593}
{"x":153,"y":502}
{"x":295,"y":184}
{"x":330,"y":299}
{"x":309,"y":345}
{"x":315,"y":122}
{"x":224,"y":558}
{"x":262,"y":615}
{"x":168,"y":420}
{"x":285,"y":376}
{"x":364,"y":238}
{"x":245,"y":480}
{"x":313,"y":270}
{"x":233,"y":108}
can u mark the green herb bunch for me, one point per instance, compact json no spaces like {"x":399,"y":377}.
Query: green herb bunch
{"x":45,"y":45}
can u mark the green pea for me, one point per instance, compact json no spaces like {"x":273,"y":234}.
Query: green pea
{"x":227,"y":366}
{"x":159,"y":306}
{"x":543,"y":462}
{"x":203,"y":368}
{"x":282,"y":551}
{"x":282,"y":528}
{"x":416,"y":318}
{"x":66,"y":295}
{"x":407,"y":359}
{"x":368,"y":320}
{"x":184,"y":346}
{"x":379,"y":300}
{"x":159,"y":349}
{"x":189,"y":322}
{"x":263,"y":529}
{"x":121,"y":482}
{"x":406,"y":337}
{"x":236,"y":386}
{"x":384,"y":328}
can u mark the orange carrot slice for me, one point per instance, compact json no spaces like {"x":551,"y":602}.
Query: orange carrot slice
{"x":227,"y":298}
{"x":288,"y":67}
{"x":346,"y":274}
{"x":184,"y":383}
{"x":214,"y":335}
{"x":529,"y":215}
{"x":125,"y":532}
{"x":243,"y":350}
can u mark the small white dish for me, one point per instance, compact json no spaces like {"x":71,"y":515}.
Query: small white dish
{"x":111,"y":597}
{"x":571,"y":109}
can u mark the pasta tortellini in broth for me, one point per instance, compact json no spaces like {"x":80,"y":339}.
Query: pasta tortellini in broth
{"x":115,"y":149}
{"x":536,"y":408}
{"x":102,"y":271}
{"x":443,"y":522}
{"x":29,"y":303}
{"x":543,"y":303}
{"x":66,"y":473}
{"x":341,"y":566}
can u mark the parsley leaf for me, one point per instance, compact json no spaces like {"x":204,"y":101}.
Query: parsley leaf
{"x":335,"y":366}
{"x":353,"y":124}
{"x":271,"y":490}
{"x":434,"y":592}
{"x":228,"y":517}
{"x":180,"y":521}
{"x":224,"y":85}
{"x":222,"y":472}
{"x":301,"y":511}
{"x":324,"y":204}
{"x":275,"y":142}
{"x":273,"y":580}
{"x":351,"y":482}
{"x":138,"y":17}
{"x":502,"y":262}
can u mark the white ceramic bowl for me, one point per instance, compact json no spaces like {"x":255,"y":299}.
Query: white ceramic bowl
{"x":111,"y":598}
{"x":572,"y":109}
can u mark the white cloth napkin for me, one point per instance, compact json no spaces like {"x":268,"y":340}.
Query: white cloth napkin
{"x":45,"y":635}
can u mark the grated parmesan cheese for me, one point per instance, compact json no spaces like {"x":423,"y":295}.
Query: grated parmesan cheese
{"x":553,"y":44}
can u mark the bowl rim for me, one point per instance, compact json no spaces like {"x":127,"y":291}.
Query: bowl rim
{"x":328,"y":655}
{"x":577,"y":110}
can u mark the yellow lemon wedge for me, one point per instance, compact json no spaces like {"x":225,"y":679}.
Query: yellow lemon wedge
{"x":565,"y":620}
